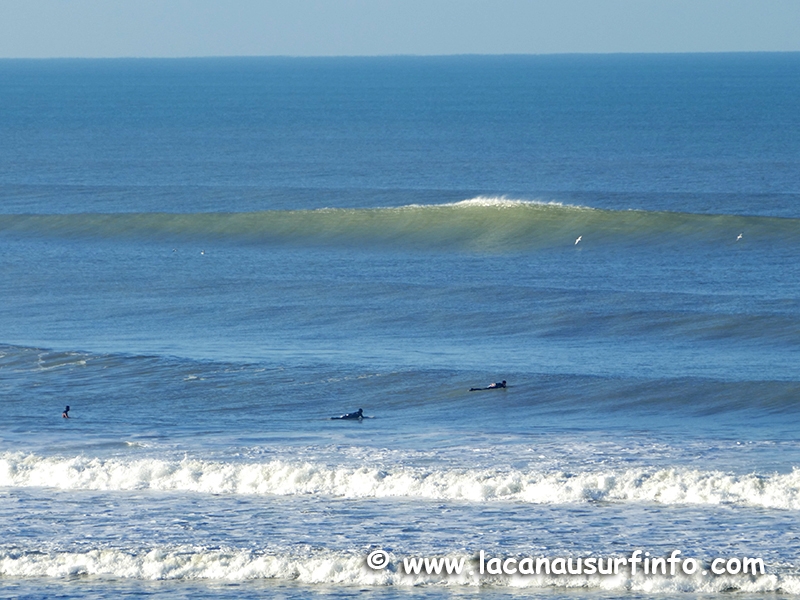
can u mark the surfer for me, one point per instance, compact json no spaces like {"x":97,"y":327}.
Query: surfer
{"x":65,"y":414}
{"x":358,"y":415}
{"x":492,"y":386}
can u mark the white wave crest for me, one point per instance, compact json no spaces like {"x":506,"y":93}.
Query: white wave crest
{"x":490,"y":202}
{"x":187,"y":563}
{"x":346,"y":568}
{"x":505,"y":202}
{"x":280,"y":477}
{"x":501,"y":202}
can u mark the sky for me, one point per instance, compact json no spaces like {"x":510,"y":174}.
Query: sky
{"x":180,"y":28}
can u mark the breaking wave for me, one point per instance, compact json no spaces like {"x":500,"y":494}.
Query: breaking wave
{"x":280,"y":477}
{"x":478,"y":224}
{"x":345,"y":568}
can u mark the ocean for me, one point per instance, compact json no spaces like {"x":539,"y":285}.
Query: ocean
{"x":207,"y":259}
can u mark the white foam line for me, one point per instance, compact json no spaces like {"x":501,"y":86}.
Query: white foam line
{"x":279,"y":477}
{"x":342,"y":568}
{"x":505,"y":202}
{"x":490,"y":202}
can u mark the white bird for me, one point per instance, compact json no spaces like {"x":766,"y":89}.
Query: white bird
{"x":738,"y":237}
{"x":580,"y":237}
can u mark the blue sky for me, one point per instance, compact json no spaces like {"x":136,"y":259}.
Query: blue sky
{"x":172,"y":28}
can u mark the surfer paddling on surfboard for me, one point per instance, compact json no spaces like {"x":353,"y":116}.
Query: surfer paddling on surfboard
{"x":492,"y":386}
{"x":353,"y":416}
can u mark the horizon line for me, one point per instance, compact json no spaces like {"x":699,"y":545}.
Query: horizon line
{"x":398,"y":55}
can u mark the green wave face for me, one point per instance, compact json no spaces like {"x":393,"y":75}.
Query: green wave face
{"x":480,"y":224}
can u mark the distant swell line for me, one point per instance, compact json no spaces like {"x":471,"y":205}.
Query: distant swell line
{"x":491,"y":224}
{"x":277,"y":477}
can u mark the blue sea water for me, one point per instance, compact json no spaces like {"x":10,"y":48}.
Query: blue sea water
{"x":206,"y":259}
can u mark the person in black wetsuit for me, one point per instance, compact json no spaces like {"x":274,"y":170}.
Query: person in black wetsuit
{"x":65,"y":414}
{"x":491,"y":386}
{"x":358,"y":415}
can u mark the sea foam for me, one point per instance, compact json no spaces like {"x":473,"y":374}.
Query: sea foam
{"x":346,"y":568}
{"x":281,"y":477}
